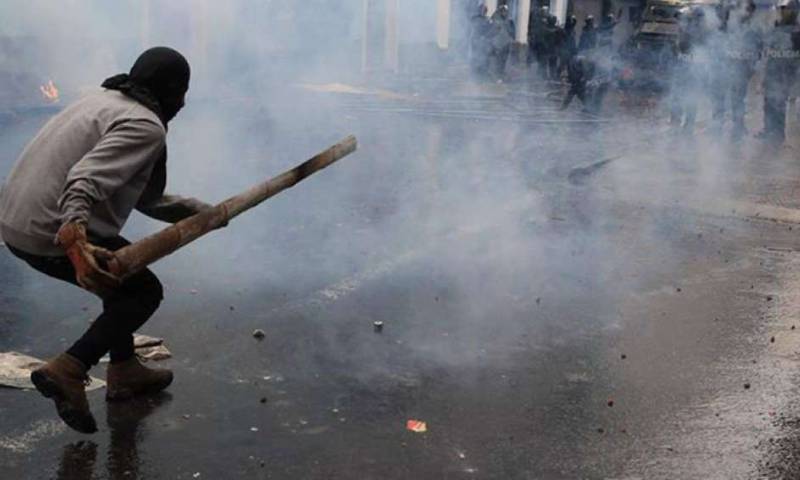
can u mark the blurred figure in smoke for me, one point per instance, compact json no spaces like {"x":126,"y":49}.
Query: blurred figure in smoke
{"x":587,"y":82}
{"x":688,"y":74}
{"x":588,"y":35}
{"x":502,"y":37}
{"x":605,"y":33}
{"x":569,"y":45}
{"x":551,"y":47}
{"x":783,"y":54}
{"x":536,"y":29}
{"x":480,"y":29}
{"x":66,"y":201}
{"x":720,"y":64}
{"x":736,"y":48}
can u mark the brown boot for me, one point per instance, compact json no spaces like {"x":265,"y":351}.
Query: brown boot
{"x":64,"y":380}
{"x":130,"y":378}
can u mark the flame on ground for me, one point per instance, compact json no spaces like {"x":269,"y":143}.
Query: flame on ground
{"x":49,"y":92}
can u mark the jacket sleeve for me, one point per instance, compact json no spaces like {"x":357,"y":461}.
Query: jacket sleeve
{"x":121,"y":153}
{"x":172,"y":208}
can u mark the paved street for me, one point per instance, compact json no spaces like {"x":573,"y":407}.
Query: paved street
{"x":563,"y":296}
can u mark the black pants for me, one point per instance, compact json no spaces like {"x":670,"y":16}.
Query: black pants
{"x":126,"y":309}
{"x":498,"y":57}
{"x":729,"y":90}
{"x":776,"y":96}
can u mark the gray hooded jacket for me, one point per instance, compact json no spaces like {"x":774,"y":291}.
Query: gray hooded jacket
{"x":90,"y":163}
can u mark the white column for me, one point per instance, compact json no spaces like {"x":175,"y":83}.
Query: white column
{"x":443,"y":24}
{"x":491,"y":6}
{"x":392,"y":45}
{"x":559,"y":9}
{"x":523,"y":20}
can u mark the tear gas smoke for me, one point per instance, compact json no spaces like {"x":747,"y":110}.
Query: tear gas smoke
{"x":445,"y":207}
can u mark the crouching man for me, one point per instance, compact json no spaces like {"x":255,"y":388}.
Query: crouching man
{"x":65,"y":202}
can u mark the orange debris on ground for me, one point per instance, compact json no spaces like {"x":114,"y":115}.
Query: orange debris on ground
{"x":417,"y":426}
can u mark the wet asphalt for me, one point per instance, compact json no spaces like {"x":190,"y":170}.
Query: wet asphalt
{"x":563,"y":297}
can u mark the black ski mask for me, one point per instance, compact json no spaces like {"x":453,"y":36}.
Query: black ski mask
{"x":158,"y":80}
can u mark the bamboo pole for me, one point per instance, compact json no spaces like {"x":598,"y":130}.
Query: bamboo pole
{"x":139,"y":255}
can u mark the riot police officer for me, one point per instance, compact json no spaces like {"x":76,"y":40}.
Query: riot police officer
{"x":605,"y":33}
{"x":536,"y":38}
{"x":587,"y":81}
{"x":480,"y":28}
{"x":502,"y":37}
{"x":588,"y":35}
{"x":569,"y":45}
{"x":783,"y":54}
{"x":737,"y":47}
{"x":551,"y":47}
{"x":689,"y":69}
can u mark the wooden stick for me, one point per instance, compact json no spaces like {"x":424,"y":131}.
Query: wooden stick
{"x":137,"y":256}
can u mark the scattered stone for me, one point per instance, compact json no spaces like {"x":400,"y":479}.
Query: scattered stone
{"x":259,"y":334}
{"x":610,"y":403}
{"x":186,"y":416}
{"x":263,"y":464}
{"x":253,"y":429}
{"x":769,"y":298}
{"x":193,"y":291}
{"x":601,"y":430}
{"x":378,"y":326}
{"x":263,"y":400}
